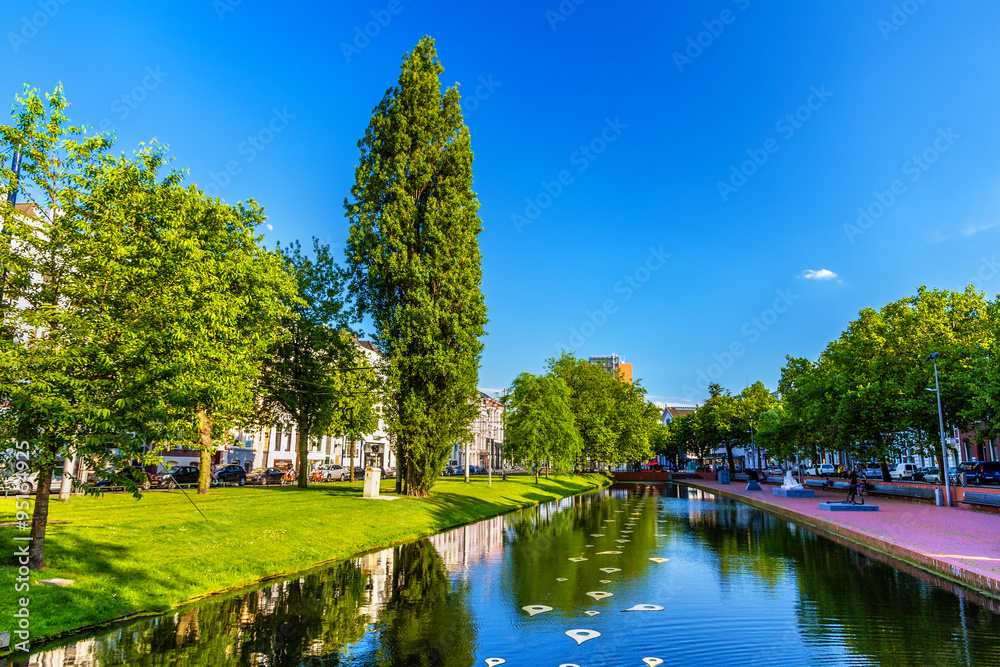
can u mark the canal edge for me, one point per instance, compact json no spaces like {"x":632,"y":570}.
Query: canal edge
{"x":68,"y":635}
{"x":948,"y":571}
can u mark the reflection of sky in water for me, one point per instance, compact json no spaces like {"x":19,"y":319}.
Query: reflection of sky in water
{"x":738,"y":587}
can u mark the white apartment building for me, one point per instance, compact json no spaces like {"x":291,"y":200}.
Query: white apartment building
{"x":487,"y":436}
{"x":275,"y":446}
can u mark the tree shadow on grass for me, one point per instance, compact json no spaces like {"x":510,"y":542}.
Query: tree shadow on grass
{"x":109,"y":583}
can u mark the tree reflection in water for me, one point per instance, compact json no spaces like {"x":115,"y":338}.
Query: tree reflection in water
{"x":875,"y":609}
{"x":756,"y":587}
{"x":401,"y":596}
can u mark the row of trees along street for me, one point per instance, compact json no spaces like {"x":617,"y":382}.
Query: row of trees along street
{"x":140,"y":314}
{"x":577,"y":413}
{"x":867,"y":393}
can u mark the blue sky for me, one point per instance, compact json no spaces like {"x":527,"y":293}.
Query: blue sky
{"x":713,"y":155}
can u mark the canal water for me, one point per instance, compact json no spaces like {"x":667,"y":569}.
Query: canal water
{"x":624,"y":576}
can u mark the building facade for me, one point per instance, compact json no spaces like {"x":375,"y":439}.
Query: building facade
{"x":485,"y":448}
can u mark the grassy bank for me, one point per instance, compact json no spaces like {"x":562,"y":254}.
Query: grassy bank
{"x":129,"y":557}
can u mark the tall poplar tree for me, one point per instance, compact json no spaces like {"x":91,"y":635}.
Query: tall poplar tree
{"x":413,"y":255}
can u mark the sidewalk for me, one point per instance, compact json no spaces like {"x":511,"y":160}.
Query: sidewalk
{"x":959,"y":545}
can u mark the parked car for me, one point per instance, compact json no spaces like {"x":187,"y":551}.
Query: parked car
{"x":265,"y":476}
{"x":460,"y":471}
{"x":230,"y":473}
{"x":822,"y":470}
{"x":903,"y":471}
{"x":872,"y":470}
{"x":174,"y":477}
{"x":104,"y":480}
{"x":918,"y":474}
{"x":334,"y":473}
{"x":359,"y":473}
{"x":980,"y":472}
{"x":775,"y":471}
{"x":934,"y":476}
{"x":30,"y":484}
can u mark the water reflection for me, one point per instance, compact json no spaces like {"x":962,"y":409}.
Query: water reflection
{"x":739,"y":586}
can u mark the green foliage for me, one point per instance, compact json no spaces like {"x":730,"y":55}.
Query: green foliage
{"x":867,"y":393}
{"x":316,"y":377}
{"x":611,"y":416}
{"x":139,"y":311}
{"x":413,"y":256}
{"x":539,"y":423}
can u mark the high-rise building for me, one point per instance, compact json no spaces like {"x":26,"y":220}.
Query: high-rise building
{"x":612,"y":365}
{"x":608,"y":363}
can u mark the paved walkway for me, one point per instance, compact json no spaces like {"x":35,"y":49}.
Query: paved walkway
{"x":957,"y":544}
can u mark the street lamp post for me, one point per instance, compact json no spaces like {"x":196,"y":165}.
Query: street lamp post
{"x":944,"y":451}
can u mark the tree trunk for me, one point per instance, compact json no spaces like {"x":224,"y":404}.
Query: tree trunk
{"x":66,"y":486}
{"x":267,"y":446}
{"x":538,"y":464}
{"x":302,"y":447}
{"x":729,"y":457}
{"x":352,"y":459}
{"x":39,"y":520}
{"x":885,"y":470}
{"x":400,"y":467}
{"x":205,"y":444}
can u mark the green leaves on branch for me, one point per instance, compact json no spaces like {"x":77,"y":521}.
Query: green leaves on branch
{"x":414,"y":263}
{"x":539,"y":423}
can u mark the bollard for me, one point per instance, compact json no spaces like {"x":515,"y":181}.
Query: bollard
{"x":939,"y":497}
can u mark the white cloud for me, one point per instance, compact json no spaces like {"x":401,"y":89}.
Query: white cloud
{"x":822,"y":274}
{"x":940,"y":236}
{"x":976,"y":227}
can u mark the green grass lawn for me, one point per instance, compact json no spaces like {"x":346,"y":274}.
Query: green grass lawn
{"x":132,"y":556}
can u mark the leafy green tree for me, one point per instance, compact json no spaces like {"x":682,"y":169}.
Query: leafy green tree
{"x":135,"y":306}
{"x":751,"y":403}
{"x":229,"y":295}
{"x":664,"y":441}
{"x":317,"y":377}
{"x":413,"y":255}
{"x":632,"y":419}
{"x":592,"y":403}
{"x":539,"y":423}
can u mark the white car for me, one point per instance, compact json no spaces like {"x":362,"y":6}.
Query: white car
{"x":30,"y":484}
{"x":334,"y":473}
{"x":903,"y":471}
{"x":822,"y":470}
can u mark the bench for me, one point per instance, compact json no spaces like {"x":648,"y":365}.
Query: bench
{"x":905,"y":491}
{"x":827,"y":484}
{"x":991,"y":499}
